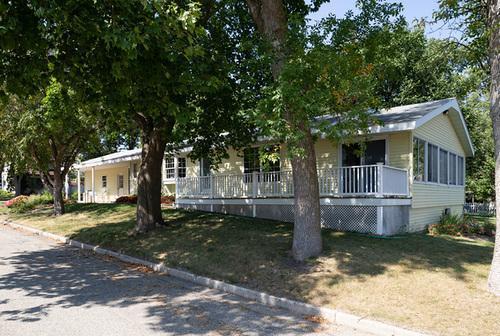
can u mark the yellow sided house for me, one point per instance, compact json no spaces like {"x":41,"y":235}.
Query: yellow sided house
{"x":412,"y":170}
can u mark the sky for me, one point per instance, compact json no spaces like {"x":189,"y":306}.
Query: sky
{"x":413,"y":10}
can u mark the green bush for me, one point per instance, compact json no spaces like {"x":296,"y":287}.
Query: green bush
{"x":459,"y":225}
{"x":6,"y":195}
{"x":32,"y":202}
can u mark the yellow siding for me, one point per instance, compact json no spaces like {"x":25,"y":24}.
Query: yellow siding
{"x":421,"y":217}
{"x":400,"y":149}
{"x":111,"y":192}
{"x":168,"y":189}
{"x":429,"y":200}
{"x":441,"y":132}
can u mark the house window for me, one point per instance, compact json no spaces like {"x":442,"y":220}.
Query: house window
{"x":252,"y":162}
{"x":432,"y":163}
{"x":181,"y":167}
{"x":104,"y":181}
{"x":135,"y":170}
{"x":453,"y":169}
{"x":460,"y":171}
{"x":120,"y":182}
{"x":418,"y":159}
{"x":443,"y":166}
{"x":170,"y":168}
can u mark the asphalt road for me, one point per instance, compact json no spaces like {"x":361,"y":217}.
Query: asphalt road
{"x":51,"y":289}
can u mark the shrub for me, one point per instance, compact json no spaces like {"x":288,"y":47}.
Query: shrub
{"x":16,"y":201}
{"x":168,"y":200}
{"x":33,"y":201}
{"x":5,"y":195}
{"x":130,"y":199}
{"x":458,"y":225}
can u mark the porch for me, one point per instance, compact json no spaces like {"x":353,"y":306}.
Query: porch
{"x":354,"y":181}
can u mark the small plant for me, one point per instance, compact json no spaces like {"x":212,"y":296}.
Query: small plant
{"x":16,"y":201}
{"x":459,"y":225}
{"x":31,"y":202}
{"x":168,"y":200}
{"x":130,"y":199}
{"x":5,"y":195}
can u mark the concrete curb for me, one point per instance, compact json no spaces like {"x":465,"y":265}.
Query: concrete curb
{"x":332,"y":315}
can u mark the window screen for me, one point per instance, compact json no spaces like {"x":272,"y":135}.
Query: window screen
{"x":169,"y":168}
{"x":453,"y":169}
{"x":443,"y":166}
{"x":418,"y":159}
{"x":432,"y":163}
{"x":181,"y":167}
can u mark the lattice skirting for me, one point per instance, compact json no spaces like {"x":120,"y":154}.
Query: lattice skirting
{"x":364,"y":219}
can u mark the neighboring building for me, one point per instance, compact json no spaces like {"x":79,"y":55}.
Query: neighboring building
{"x":4,"y":182}
{"x":412,"y":169}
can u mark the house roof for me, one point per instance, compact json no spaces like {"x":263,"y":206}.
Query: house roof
{"x":396,"y":119}
{"x":121,"y":156}
{"x":410,"y":117}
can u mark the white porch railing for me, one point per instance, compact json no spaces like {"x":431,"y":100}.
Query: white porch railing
{"x":371,"y":180}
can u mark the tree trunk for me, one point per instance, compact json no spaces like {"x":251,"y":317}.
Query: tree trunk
{"x":149,"y":181}
{"x":494,"y":52}
{"x":270,"y":18}
{"x":19,"y":185}
{"x":307,"y":228}
{"x":56,"y":187}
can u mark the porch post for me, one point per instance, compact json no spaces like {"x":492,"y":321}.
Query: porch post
{"x":255,"y":184}
{"x":380,"y":184}
{"x":380,"y":220}
{"x":66,"y":186}
{"x":78,"y":181}
{"x":93,"y":185}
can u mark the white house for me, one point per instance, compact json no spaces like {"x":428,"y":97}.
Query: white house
{"x":412,"y":169}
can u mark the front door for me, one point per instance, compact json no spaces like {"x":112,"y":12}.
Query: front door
{"x":355,"y":179}
{"x":204,"y":175}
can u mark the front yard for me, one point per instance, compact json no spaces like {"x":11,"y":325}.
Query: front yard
{"x":434,"y":284}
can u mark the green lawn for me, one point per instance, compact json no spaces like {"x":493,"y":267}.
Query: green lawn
{"x":435,"y":284}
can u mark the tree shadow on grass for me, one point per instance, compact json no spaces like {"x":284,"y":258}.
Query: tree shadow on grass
{"x":256,"y":253}
{"x":66,"y":278}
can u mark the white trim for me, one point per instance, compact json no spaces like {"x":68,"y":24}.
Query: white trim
{"x":290,"y":201}
{"x":380,"y":220}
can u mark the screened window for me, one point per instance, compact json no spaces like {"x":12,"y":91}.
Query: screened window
{"x":443,"y":166}
{"x":135,"y":170}
{"x":432,"y":163}
{"x":104,"y":181}
{"x":181,"y":167}
{"x":169,"y":168}
{"x":453,"y":169}
{"x":120,"y":182}
{"x":460,"y":170}
{"x":418,"y":159}
{"x":251,"y":160}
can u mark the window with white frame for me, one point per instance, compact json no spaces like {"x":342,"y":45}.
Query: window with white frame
{"x":181,"y":167}
{"x":443,"y":166}
{"x":437,"y":165}
{"x":453,"y":169}
{"x":120,"y":182}
{"x":460,"y":171}
{"x":418,"y":159}
{"x":104,"y":181}
{"x":170,"y":168}
{"x":432,"y":163}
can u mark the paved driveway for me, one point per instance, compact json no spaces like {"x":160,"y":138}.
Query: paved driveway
{"x":50,"y":289}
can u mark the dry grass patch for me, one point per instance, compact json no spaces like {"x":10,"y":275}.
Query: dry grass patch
{"x":435,"y":284}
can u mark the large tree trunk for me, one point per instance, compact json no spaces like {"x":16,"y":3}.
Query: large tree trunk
{"x":149,"y":181}
{"x":270,"y":18}
{"x":57,"y":192}
{"x":494,"y":51}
